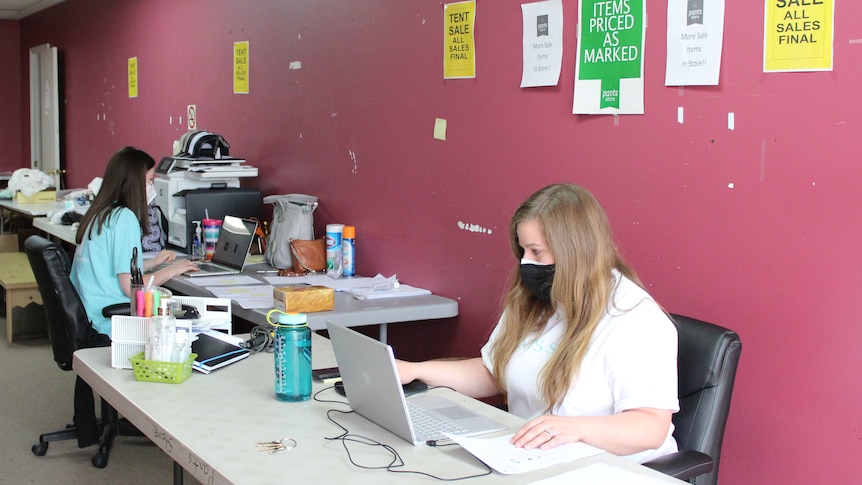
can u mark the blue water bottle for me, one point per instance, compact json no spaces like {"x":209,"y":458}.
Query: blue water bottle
{"x":292,"y":349}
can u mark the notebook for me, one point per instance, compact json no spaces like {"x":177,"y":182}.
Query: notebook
{"x":234,"y":241}
{"x":374,"y":391}
{"x":216,"y":350}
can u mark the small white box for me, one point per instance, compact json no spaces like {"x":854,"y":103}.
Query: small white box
{"x":129,"y":334}
{"x":128,"y":337}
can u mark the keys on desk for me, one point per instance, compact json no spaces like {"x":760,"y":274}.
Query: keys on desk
{"x":277,"y":445}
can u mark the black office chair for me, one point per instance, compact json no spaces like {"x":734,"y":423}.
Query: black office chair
{"x":69,"y":330}
{"x":707,"y":362}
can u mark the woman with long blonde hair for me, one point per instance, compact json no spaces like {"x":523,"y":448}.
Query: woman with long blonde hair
{"x":581,"y":351}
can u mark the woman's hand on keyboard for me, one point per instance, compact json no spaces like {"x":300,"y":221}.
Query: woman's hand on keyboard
{"x":164,"y":256}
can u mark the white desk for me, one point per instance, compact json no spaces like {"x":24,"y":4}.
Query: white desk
{"x":348,"y":310}
{"x":211,"y":423}
{"x":60,"y":231}
{"x":29,"y":210}
{"x":32,"y":210}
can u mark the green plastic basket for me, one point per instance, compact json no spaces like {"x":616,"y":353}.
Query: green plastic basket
{"x":169,"y":372}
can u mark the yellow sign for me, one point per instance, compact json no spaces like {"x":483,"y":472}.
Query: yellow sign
{"x":798,"y":35}
{"x":459,"y":53}
{"x":240,"y":67}
{"x":133,"y":77}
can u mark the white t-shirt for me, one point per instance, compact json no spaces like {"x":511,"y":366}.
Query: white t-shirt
{"x":630,"y":363}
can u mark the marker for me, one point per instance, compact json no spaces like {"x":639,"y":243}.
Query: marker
{"x":267,"y":271}
{"x":139,"y":298}
{"x":148,"y":303}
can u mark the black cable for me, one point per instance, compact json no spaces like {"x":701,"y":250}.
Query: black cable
{"x":260,"y":339}
{"x":396,"y":462}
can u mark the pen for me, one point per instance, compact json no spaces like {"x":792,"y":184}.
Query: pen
{"x":267,"y":271}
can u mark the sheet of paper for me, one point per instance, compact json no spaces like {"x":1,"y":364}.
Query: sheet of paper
{"x":542,"y":43}
{"x":695,"y":34}
{"x":227,"y":280}
{"x":459,"y":45}
{"x":504,"y":458}
{"x":601,"y":474}
{"x":798,"y":35}
{"x":375,"y":294}
{"x":609,"y":74}
{"x":152,"y":254}
{"x":339,"y":284}
{"x":248,"y":297}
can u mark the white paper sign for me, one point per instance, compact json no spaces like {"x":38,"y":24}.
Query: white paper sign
{"x":695,"y":34}
{"x":543,"y":43}
{"x":609,"y":71}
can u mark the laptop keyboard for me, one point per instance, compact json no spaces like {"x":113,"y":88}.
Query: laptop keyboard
{"x":426,"y":425}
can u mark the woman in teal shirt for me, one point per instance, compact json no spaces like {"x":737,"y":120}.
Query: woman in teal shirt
{"x":101,"y":270}
{"x":110,"y":230}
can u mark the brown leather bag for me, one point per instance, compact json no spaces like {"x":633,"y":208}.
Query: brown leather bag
{"x":308,"y":257}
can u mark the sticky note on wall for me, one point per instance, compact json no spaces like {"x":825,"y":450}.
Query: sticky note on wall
{"x":440,"y":129}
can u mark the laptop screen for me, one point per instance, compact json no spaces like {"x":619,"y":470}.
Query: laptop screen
{"x":234,"y":240}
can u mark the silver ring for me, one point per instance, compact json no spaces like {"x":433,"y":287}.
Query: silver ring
{"x":550,"y":433}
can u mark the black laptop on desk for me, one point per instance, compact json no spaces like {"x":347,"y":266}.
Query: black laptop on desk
{"x":234,"y":241}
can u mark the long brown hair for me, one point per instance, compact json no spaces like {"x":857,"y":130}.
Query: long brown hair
{"x":578,"y":234}
{"x":123,"y":185}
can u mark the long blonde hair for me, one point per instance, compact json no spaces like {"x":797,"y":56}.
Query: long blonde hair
{"x":578,"y":234}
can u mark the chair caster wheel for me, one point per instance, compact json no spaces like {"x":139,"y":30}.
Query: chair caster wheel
{"x":39,"y":449}
{"x":100,"y":461}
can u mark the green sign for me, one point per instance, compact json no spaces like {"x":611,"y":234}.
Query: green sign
{"x":611,"y":45}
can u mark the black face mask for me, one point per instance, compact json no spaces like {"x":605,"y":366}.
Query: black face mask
{"x":538,"y":278}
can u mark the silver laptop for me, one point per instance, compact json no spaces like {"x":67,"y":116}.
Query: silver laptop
{"x":234,"y":241}
{"x":373,"y":390}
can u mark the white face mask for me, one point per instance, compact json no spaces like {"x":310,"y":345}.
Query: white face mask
{"x":151,"y":193}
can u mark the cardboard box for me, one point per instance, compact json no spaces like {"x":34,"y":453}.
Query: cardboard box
{"x":8,"y":243}
{"x":303,"y":299}
{"x":37,"y":198}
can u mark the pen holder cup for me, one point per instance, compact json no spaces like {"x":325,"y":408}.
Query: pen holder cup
{"x":212,"y":227}
{"x":145,"y":301}
{"x":167,"y":372}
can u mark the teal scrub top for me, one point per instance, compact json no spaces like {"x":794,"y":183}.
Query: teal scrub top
{"x":100,"y":258}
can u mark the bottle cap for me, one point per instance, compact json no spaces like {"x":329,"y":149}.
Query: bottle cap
{"x":334,"y":227}
{"x":292,"y":319}
{"x":349,"y":232}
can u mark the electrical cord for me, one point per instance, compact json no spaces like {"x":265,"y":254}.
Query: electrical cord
{"x":260,"y":339}
{"x":396,"y":463}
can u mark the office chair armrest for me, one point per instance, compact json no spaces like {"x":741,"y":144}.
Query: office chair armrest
{"x":683,"y":465}
{"x":120,"y":309}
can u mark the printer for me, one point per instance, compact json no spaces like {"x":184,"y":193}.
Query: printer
{"x":190,"y":189}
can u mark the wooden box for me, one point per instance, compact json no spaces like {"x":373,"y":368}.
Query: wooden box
{"x":303,"y":299}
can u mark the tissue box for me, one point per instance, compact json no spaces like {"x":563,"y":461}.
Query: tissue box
{"x":37,"y":198}
{"x":303,"y":299}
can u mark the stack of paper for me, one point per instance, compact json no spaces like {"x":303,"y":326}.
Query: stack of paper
{"x":373,"y":293}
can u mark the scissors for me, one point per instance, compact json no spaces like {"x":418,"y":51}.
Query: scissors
{"x":137,"y":276}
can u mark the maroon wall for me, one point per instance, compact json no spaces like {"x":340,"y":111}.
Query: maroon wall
{"x":755,"y":228}
{"x":10,"y":97}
